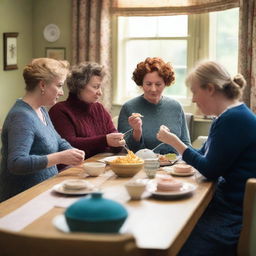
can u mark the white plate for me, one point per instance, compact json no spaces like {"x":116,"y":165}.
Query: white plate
{"x":60,"y":223}
{"x":51,"y":33}
{"x":171,"y":171}
{"x":182,"y":174}
{"x":171,"y":162}
{"x":60,"y":189}
{"x":184,"y":190}
{"x":108,"y":159}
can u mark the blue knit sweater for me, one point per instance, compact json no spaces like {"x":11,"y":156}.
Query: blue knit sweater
{"x":229,"y":154}
{"x":167,"y":112}
{"x":26,"y":142}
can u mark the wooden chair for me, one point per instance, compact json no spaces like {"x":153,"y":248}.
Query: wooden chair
{"x":115,"y":121}
{"x":14,"y":244}
{"x":190,"y":120}
{"x":247,"y":240}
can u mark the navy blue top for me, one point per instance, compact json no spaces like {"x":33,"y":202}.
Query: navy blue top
{"x":26,"y":142}
{"x":229,"y":154}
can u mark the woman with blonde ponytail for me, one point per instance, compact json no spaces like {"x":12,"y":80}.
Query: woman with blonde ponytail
{"x":227,"y":157}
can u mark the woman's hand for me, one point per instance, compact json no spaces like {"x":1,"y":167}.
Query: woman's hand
{"x":165,"y":135}
{"x":72,"y":156}
{"x":115,"y":139}
{"x":136,"y":123}
{"x":170,"y":138}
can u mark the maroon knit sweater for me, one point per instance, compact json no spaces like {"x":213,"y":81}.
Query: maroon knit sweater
{"x":83,"y":125}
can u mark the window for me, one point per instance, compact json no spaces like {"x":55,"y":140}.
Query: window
{"x":181,"y":40}
{"x":224,"y":38}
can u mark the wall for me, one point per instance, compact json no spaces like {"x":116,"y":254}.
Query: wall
{"x":46,"y":12}
{"x":15,"y":16}
{"x":28,"y":18}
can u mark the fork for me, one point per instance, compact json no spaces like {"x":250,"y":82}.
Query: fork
{"x":127,"y":131}
{"x":157,"y":146}
{"x":126,"y":148}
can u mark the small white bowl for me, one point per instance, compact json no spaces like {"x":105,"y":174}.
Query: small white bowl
{"x":135,"y":189}
{"x":94,"y":168}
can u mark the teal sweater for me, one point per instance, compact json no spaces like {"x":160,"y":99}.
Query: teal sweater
{"x":26,"y":142}
{"x":167,"y":112}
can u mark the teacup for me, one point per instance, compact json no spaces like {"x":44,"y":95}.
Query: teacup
{"x":135,"y":189}
{"x":151,"y":166}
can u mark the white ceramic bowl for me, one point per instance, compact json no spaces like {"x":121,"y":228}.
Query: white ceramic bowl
{"x":94,"y":168}
{"x":135,"y":189}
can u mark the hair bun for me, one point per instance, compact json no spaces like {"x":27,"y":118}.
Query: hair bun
{"x":239,"y":80}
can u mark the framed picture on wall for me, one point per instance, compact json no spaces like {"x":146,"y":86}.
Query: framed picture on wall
{"x":58,"y":53}
{"x":10,"y":51}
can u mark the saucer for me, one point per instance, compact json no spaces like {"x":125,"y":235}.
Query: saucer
{"x":59,"y":188}
{"x":182,"y":174}
{"x":171,"y":171}
{"x":60,"y":223}
{"x":186,"y":189}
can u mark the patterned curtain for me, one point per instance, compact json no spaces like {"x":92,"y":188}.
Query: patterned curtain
{"x":247,"y":50}
{"x":91,"y":38}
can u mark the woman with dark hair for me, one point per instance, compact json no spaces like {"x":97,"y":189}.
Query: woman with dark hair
{"x":81,"y":119}
{"x":152,"y":75}
{"x":31,"y":148}
{"x":228,"y":157}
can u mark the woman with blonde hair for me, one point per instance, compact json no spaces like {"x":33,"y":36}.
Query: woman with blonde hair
{"x":31,"y":148}
{"x":227,"y":157}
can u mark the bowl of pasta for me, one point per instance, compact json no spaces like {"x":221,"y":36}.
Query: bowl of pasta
{"x":126,"y":166}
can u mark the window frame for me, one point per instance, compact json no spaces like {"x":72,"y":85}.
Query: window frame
{"x":198,"y":48}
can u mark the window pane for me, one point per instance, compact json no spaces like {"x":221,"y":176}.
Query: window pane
{"x":174,"y":51}
{"x":167,"y":26}
{"x":163,"y":26}
{"x":141,"y":26}
{"x":226,"y":44}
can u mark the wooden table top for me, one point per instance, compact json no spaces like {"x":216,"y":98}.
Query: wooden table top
{"x":157,"y":225}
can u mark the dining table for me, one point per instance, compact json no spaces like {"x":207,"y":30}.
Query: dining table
{"x":160,"y":225}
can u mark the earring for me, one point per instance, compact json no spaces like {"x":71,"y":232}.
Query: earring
{"x":42,"y":92}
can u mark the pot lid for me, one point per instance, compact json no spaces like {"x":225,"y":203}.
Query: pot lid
{"x":96,"y":208}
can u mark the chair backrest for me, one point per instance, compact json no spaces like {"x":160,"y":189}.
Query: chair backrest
{"x":115,"y":121}
{"x":77,"y":244}
{"x":247,"y":240}
{"x":190,"y":120}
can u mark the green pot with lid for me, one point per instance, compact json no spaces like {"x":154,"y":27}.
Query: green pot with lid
{"x":95,"y":214}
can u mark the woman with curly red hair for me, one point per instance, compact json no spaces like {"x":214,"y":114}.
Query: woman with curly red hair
{"x":152,"y":76}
